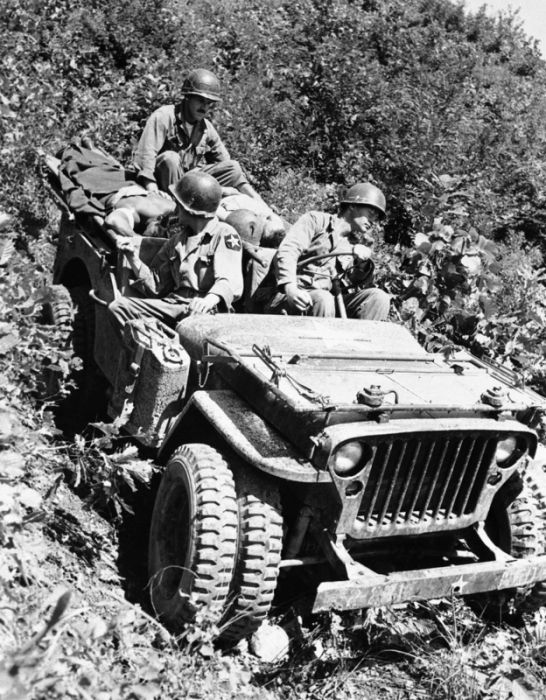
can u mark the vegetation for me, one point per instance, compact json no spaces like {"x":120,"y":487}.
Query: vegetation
{"x":445,"y":111}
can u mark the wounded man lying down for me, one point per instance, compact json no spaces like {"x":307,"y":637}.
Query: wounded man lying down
{"x":93,"y":182}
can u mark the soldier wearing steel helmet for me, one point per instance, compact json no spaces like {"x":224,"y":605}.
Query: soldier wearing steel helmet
{"x":309,"y":288}
{"x":178,"y":138}
{"x":198,"y":270}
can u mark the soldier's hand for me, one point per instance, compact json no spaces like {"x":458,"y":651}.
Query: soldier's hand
{"x":152,"y":188}
{"x":203,"y":305}
{"x":227,"y":191}
{"x":297,"y":297}
{"x":362,"y":252}
{"x":129,"y":246}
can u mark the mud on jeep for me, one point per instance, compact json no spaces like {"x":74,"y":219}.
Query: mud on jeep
{"x":334,"y":447}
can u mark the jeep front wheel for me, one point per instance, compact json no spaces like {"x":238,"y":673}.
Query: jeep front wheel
{"x":193,"y":536}
{"x":258,"y":555}
{"x":517,"y":530}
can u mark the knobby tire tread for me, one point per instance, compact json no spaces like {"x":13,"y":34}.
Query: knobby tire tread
{"x":259,"y":556}
{"x":528,"y":540}
{"x":214,"y":531}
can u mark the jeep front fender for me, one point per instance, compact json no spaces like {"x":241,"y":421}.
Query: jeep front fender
{"x":246,"y":434}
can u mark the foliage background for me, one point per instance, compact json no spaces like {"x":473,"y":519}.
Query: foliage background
{"x":444,"y":110}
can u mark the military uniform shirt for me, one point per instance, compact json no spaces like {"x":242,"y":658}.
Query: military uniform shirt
{"x":318,"y":233}
{"x":165,"y":131}
{"x":196,"y":265}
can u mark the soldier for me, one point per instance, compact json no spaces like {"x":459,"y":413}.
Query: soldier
{"x":310,"y":288}
{"x":178,"y":138}
{"x":198,"y":270}
{"x":260,"y":236}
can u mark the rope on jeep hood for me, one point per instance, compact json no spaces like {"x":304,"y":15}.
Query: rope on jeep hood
{"x":279,"y":372}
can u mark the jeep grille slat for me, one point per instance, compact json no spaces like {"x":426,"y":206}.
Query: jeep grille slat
{"x":424,"y":472}
{"x":381,"y":476}
{"x":434,"y":483}
{"x":433,"y":477}
{"x":396,"y":465}
{"x":464,"y":460}
{"x":406,"y":486}
{"x":477,"y":477}
{"x":452,"y":461}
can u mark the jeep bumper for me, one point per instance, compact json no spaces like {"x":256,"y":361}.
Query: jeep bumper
{"x":425,"y":584}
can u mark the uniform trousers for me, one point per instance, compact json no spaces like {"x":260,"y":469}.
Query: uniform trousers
{"x":371,"y":304}
{"x":168,"y":170}
{"x":169,"y":309}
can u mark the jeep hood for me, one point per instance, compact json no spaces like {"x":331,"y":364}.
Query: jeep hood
{"x":317,"y":361}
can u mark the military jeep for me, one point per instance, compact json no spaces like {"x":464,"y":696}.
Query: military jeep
{"x":331,"y":451}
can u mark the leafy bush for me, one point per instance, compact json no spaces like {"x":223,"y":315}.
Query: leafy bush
{"x":456,"y":287}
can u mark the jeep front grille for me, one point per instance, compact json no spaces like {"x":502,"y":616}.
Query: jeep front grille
{"x":425,"y":479}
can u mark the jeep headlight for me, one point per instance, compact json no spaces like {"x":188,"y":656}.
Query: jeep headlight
{"x":350,"y":457}
{"x":508,"y":451}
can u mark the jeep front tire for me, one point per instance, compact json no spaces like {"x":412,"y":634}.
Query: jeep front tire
{"x":193,"y":536}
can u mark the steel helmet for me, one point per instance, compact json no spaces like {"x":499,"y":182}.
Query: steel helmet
{"x":202,"y":82}
{"x":198,"y":193}
{"x":365,"y":193}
